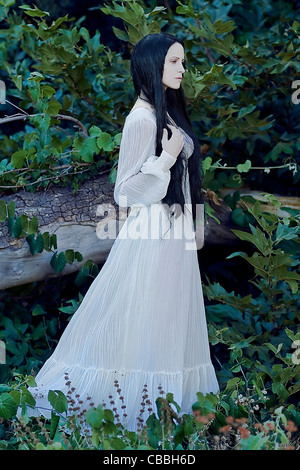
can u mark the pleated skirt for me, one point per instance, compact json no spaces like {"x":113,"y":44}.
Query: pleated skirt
{"x":141,"y":326}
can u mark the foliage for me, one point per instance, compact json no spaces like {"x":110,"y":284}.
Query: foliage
{"x":22,"y":226}
{"x":252,"y":328}
{"x":44,"y":69}
{"x":238,"y":85}
{"x":223,"y":422}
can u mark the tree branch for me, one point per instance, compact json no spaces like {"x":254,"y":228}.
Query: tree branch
{"x":16,"y":117}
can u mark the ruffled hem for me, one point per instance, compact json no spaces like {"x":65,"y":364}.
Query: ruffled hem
{"x":99,"y":386}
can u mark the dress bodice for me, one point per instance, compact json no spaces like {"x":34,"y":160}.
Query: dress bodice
{"x":188,"y":147}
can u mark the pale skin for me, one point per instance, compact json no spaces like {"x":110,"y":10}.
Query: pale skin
{"x":172,"y":76}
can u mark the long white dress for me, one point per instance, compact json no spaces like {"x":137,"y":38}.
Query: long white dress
{"x":142,"y":321}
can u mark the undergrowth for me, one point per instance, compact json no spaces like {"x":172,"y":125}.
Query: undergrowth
{"x":211,"y":425}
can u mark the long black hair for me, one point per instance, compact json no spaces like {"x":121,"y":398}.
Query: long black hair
{"x":147,"y":65}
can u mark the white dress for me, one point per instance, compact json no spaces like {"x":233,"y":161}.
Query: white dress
{"x":142,"y":321}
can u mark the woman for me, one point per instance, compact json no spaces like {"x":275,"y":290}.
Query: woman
{"x":142,"y":322}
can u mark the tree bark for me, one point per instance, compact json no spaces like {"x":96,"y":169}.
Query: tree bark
{"x":80,"y":222}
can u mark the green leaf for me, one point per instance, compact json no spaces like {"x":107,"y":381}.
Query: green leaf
{"x":48,"y":91}
{"x":280,"y":390}
{"x":57,"y":23}
{"x":209,"y":23}
{"x":4,"y":388}
{"x":246,"y":110}
{"x":30,"y":381}
{"x":39,"y":331}
{"x":95,"y":416}
{"x":35,"y":242}
{"x":244,"y":167}
{"x":170,"y":399}
{"x":70,"y":309}
{"x":70,"y":256}
{"x":261,"y":242}
{"x":109,"y":416}
{"x":232,"y":383}
{"x":105,"y":142}
{"x":117,"y":139}
{"x":58,"y":262}
{"x":112,"y":175}
{"x":224,"y":27}
{"x":58,"y":400}
{"x":282,"y":273}
{"x":94,"y":131}
{"x":38,"y":310}
{"x":122,"y":35}
{"x":272,"y":347}
{"x":54,"y":424}
{"x":206,"y":164}
{"x":15,"y":226}
{"x":8,"y":407}
{"x":49,"y":241}
{"x":33,"y":225}
{"x":291,"y":335}
{"x":86,"y":148}
{"x":34,"y":11}
{"x":257,"y":442}
{"x":53,"y":107}
{"x":280,"y":147}
{"x":117,"y":443}
{"x":285,"y":232}
{"x":22,"y":396}
{"x":11,"y":207}
{"x":81,"y":276}
{"x":78,"y":256}
{"x":7,"y":3}
{"x":110,"y":428}
{"x":25,"y":224}
{"x":246,"y":236}
{"x":240,"y":217}
{"x":18,"y":158}
{"x":3,"y":211}
{"x":187,"y":10}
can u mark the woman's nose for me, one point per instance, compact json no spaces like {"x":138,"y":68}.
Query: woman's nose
{"x":182,"y":69}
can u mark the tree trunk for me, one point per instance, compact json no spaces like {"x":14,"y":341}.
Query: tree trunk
{"x":80,"y":222}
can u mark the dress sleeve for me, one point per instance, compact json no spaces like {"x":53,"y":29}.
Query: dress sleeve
{"x":142,"y":177}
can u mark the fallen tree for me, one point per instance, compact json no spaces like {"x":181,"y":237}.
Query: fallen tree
{"x":77,"y":220}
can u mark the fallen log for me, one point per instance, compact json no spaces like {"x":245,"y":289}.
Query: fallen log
{"x":77,"y":221}
{"x":72,"y":218}
{"x":292,"y":202}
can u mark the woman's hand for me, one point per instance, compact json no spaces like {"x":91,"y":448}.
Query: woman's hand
{"x":175,"y":144}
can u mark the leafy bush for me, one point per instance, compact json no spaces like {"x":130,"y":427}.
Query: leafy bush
{"x":226,"y":421}
{"x":238,"y":85}
{"x":260,"y":332}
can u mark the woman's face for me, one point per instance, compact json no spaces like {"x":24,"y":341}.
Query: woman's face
{"x":173,"y":66}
